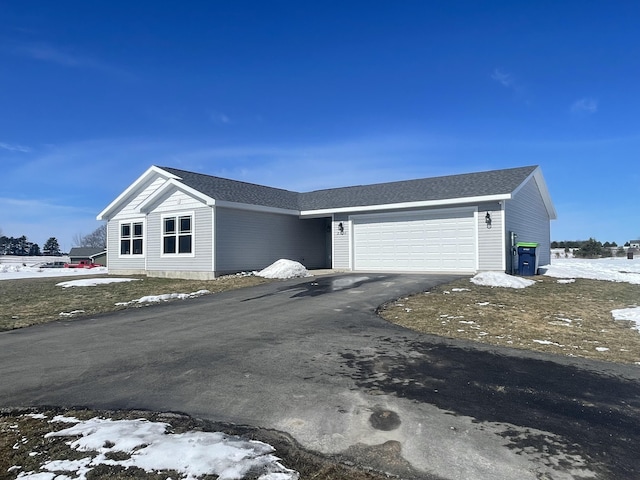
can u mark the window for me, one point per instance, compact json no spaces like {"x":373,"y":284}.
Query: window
{"x":131,"y":238}
{"x":177,"y":235}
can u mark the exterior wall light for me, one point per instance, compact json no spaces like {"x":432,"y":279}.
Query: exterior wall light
{"x":340,"y":229}
{"x":487,"y":219}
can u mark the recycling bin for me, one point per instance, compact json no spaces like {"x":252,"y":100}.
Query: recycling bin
{"x":527,"y":259}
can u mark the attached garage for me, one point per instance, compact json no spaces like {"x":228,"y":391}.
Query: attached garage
{"x":419,"y":241}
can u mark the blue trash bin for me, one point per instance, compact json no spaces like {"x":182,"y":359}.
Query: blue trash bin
{"x":527,"y":259}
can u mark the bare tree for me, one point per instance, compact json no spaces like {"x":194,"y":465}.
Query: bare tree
{"x":96,"y":239}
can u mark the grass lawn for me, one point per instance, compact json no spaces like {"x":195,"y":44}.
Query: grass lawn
{"x":562,"y":318}
{"x":28,"y":302}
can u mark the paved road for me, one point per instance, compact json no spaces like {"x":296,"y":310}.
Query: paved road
{"x":311,"y":358}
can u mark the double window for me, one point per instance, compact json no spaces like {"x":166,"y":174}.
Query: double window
{"x":131,"y":238}
{"x":177,"y":234}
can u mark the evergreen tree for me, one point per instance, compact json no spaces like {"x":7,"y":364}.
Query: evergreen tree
{"x":590,"y":249}
{"x":51,"y":247}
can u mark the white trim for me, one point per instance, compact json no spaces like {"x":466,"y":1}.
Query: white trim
{"x":476,"y":234}
{"x":503,"y":212}
{"x":130,"y":222}
{"x":255,"y":208}
{"x":173,"y":183}
{"x":396,"y":206}
{"x":213,"y":239}
{"x":177,"y":215}
{"x":131,"y":188}
{"x":333,"y":241}
{"x":542,"y":188}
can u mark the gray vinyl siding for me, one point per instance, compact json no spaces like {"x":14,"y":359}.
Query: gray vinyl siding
{"x":200,"y":261}
{"x":527,"y":216}
{"x":114,"y":260}
{"x":341,"y":251}
{"x":248,"y":240}
{"x":491,"y":256}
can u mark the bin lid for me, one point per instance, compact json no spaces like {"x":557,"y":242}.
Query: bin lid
{"x":527,"y":244}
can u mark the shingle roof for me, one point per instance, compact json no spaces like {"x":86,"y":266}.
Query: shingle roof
{"x":467,"y":185}
{"x":235,"y":191}
{"x":85,"y":252}
{"x":424,"y":189}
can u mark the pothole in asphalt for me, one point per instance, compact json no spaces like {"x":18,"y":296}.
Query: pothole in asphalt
{"x":385,"y":420}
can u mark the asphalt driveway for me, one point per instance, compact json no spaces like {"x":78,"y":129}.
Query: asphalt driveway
{"x":311,"y":358}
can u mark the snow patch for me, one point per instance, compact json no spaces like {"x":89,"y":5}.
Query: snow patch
{"x":631,"y":314}
{"x":151,"y":448}
{"x":92,"y":282}
{"x":500,"y":279}
{"x":165,"y":297}
{"x":283,"y":269}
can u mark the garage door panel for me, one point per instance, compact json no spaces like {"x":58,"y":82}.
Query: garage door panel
{"x":421,"y":241}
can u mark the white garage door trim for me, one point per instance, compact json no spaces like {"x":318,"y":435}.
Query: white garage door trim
{"x":443,"y":240}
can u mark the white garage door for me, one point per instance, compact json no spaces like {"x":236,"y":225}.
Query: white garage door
{"x":418,"y":242}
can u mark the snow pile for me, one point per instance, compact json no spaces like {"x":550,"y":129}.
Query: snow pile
{"x":284,"y":269}
{"x":166,"y":297}
{"x":92,"y":282}
{"x":631,"y":314}
{"x":150,"y":447}
{"x":610,"y":269}
{"x":500,"y":279}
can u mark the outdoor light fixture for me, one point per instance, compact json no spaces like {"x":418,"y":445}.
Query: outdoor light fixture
{"x":487,"y":219}
{"x":341,"y":228}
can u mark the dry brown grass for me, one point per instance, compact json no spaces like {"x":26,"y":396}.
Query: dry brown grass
{"x":28,"y":302}
{"x":569,"y":319}
{"x":23,"y":443}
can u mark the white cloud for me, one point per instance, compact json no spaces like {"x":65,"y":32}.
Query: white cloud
{"x":220,"y":118}
{"x":49,"y":53}
{"x":14,"y":148}
{"x":585,"y":105}
{"x":503,"y":78}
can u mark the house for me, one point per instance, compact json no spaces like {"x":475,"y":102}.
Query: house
{"x":634,"y":244}
{"x":175,"y":223}
{"x":91,"y":254}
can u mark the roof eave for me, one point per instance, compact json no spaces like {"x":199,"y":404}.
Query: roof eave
{"x":418,"y":204}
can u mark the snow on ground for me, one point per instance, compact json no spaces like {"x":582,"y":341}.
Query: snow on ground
{"x":92,"y":282}
{"x":631,"y":314}
{"x":150,"y":447}
{"x":501,"y":279}
{"x":610,"y":269}
{"x":284,"y":269}
{"x":166,"y":297}
{"x":9,"y":271}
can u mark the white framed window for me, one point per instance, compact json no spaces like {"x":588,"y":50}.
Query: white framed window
{"x":131,"y":238}
{"x":178,"y":234}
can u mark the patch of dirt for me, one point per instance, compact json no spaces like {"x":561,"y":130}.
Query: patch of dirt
{"x":571,"y":319}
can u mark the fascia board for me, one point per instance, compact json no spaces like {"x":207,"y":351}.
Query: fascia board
{"x":544,"y":191}
{"x":255,"y":208}
{"x":168,"y":185}
{"x":152,"y":170}
{"x":396,"y":206}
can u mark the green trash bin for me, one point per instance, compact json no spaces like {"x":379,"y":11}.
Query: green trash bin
{"x":527,"y":258}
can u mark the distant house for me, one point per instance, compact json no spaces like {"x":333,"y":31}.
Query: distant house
{"x":175,"y":223}
{"x":634,"y":244}
{"x":95,"y":255}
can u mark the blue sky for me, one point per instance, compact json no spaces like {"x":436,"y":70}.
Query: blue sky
{"x":310,"y":95}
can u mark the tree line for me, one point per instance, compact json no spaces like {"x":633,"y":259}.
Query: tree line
{"x":591,"y":248}
{"x":21,"y":246}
